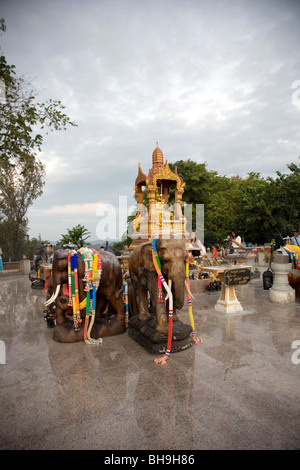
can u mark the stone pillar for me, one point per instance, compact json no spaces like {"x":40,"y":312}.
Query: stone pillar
{"x":25,"y":266}
{"x":281,"y":292}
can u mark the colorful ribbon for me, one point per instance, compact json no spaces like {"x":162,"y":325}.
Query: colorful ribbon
{"x":125,"y":299}
{"x":92,"y":276}
{"x":190,"y":303}
{"x":156,"y":262}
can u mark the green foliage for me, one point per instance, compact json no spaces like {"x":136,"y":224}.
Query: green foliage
{"x":271,"y":205}
{"x":22,"y":118}
{"x":197,"y":180}
{"x":219,"y":194}
{"x":76,"y":235}
{"x":119,"y":246}
{"x":29,"y":246}
{"x":22,"y":174}
{"x":259,"y":208}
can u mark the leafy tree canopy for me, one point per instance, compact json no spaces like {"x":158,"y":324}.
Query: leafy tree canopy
{"x":259,"y":208}
{"x":77,"y":235}
{"x":22,"y":174}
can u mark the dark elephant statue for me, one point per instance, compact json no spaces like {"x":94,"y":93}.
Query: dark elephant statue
{"x":172,"y":254}
{"x":100,"y":306}
{"x":42,"y":256}
{"x":109,"y":248}
{"x":294,"y":281}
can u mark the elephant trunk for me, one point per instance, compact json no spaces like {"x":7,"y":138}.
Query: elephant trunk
{"x":62,"y":302}
{"x":178,"y":292}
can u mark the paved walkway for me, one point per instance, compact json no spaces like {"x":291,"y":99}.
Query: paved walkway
{"x":238,"y":389}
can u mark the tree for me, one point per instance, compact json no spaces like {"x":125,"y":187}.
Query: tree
{"x":222,"y":209}
{"x":77,"y":234}
{"x":21,"y":172}
{"x":271,"y":206}
{"x":286,"y":208}
{"x":217,"y":193}
{"x":197,"y":180}
{"x":259,"y":208}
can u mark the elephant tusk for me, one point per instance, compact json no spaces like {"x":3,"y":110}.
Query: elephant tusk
{"x":170,"y":287}
{"x":188,"y":289}
{"x":56,"y":292}
{"x":53,"y":297}
{"x":50,"y":300}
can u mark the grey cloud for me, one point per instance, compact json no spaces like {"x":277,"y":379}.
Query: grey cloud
{"x":210,"y":81}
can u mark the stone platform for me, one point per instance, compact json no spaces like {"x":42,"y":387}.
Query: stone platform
{"x":237,"y":389}
{"x":146,"y":335}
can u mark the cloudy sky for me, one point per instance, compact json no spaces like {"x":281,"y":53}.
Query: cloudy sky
{"x":213,"y":81}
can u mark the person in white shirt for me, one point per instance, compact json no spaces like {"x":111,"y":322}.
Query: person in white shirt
{"x":236,"y":241}
{"x":195,"y":246}
{"x":295,"y":240}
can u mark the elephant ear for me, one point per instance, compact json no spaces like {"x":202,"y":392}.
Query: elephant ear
{"x":146,"y":256}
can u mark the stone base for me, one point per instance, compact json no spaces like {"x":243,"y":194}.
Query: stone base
{"x":282,"y":297}
{"x":228,"y":302}
{"x":281,"y":292}
{"x":229,"y":308}
{"x":145,"y":334}
{"x":25,"y":266}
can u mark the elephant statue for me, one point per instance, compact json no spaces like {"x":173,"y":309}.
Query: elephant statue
{"x":172,"y":254}
{"x":109,"y":248}
{"x":104,"y":302}
{"x":294,"y":281}
{"x":43,"y":255}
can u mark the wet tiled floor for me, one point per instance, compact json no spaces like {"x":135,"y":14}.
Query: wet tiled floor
{"x":238,"y":389}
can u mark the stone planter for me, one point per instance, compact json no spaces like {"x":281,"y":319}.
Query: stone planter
{"x":261,"y":260}
{"x":281,"y":292}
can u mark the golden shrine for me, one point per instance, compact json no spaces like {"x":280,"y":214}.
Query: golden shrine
{"x":155,"y":216}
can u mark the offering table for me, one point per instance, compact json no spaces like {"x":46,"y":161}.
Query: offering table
{"x":230,"y":276}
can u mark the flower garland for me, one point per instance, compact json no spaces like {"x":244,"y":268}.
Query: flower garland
{"x":162,"y":280}
{"x":73,"y":288}
{"x":70,"y":253}
{"x":294,"y":252}
{"x":190,"y":302}
{"x":92,"y":277}
{"x":125,"y":300}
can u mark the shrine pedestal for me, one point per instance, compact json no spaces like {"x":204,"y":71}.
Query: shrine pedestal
{"x":228,"y":302}
{"x":230,"y":277}
{"x":145,"y":334}
{"x":281,"y":292}
{"x":25,"y":266}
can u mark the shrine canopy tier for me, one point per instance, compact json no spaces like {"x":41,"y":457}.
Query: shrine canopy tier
{"x":156,"y":188}
{"x":159,"y":181}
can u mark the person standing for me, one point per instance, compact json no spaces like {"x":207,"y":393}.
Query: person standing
{"x":295,"y":240}
{"x":215,"y":251}
{"x":236,"y":241}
